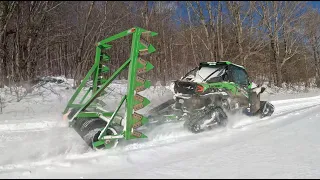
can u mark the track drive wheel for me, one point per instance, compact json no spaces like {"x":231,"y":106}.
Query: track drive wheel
{"x":195,"y":128}
{"x":103,"y":144}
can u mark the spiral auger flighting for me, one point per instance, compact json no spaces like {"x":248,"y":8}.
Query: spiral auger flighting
{"x":102,"y":129}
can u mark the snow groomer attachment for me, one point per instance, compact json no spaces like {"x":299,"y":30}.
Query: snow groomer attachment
{"x":97,"y":127}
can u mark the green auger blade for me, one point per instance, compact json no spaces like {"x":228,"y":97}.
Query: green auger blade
{"x":151,"y":49}
{"x":145,"y":47}
{"x":105,"y":57}
{"x":139,"y":120}
{"x":143,"y":66}
{"x":104,"y":46}
{"x":142,"y":84}
{"x":148,"y":33}
{"x":105,"y":69}
{"x":148,"y":50}
{"x":102,"y":80}
{"x":137,"y":134}
{"x":143,"y":44}
{"x":140,"y":102}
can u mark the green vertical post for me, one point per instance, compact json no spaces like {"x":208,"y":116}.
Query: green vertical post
{"x":131,"y":81}
{"x":96,"y":75}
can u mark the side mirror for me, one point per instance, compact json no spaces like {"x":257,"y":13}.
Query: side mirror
{"x":262,"y":89}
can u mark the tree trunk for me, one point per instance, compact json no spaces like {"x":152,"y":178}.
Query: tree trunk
{"x":219,"y":33}
{"x":6,"y":11}
{"x":316,"y":66}
{"x":191,"y":36}
{"x":306,"y":72}
{"x":80,"y":48}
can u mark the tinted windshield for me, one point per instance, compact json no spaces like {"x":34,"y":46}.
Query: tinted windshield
{"x":204,"y":72}
{"x":239,"y":76}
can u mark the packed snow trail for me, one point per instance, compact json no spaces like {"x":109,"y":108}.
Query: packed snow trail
{"x":285,"y":145}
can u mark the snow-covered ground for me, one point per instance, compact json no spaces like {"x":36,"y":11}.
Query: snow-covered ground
{"x":37,"y":143}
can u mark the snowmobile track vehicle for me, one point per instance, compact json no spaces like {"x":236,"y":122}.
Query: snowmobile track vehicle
{"x":207,"y":93}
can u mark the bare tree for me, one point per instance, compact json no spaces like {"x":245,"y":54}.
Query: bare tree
{"x":248,"y":38}
{"x":79,"y":51}
{"x":279,"y":19}
{"x":312,"y":32}
{"x":6,"y":12}
{"x":219,"y":28}
{"x":191,"y":34}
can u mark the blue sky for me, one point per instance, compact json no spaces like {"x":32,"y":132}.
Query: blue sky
{"x":183,"y":11}
{"x":315,"y":4}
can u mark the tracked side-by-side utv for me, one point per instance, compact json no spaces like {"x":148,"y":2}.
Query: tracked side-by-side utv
{"x":203,"y":97}
{"x":206,"y":94}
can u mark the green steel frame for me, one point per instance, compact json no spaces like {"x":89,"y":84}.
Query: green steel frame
{"x":133,"y":101}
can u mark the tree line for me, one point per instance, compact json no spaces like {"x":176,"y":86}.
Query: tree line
{"x":277,"y":41}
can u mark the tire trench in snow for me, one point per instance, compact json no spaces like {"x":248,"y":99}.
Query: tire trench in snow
{"x":274,"y":117}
